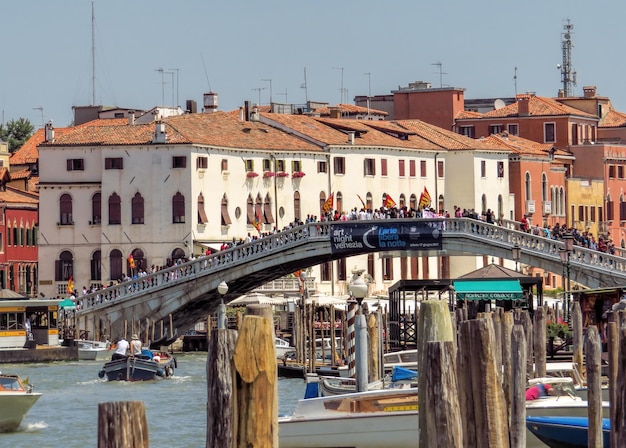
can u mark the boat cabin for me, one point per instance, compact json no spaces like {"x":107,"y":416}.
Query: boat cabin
{"x":27,"y":323}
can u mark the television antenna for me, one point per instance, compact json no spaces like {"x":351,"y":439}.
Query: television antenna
{"x":40,"y":108}
{"x":160,"y":69}
{"x":305,"y":87}
{"x":175,"y":70}
{"x":341,"y":89}
{"x":258,"y":89}
{"x":515,"y":80}
{"x":270,"y":81}
{"x":205,"y":72}
{"x":285,"y":94}
{"x":441,"y":72}
{"x":369,"y":91}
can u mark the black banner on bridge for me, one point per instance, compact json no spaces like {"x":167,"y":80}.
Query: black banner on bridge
{"x":367,"y":237}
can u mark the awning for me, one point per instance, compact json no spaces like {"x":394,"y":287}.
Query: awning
{"x":500,"y":289}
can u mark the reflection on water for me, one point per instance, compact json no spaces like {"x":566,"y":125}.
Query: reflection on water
{"x":67,"y":413}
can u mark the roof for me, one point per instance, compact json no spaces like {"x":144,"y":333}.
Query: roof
{"x":521,"y":145}
{"x":350,"y":109}
{"x":16,"y":196}
{"x":443,"y":138}
{"x":493,"y":271}
{"x":613,"y":119}
{"x":28,"y":153}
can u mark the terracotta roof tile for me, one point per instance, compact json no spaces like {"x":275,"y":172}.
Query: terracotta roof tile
{"x":350,"y":109}
{"x":613,"y":119}
{"x":28,"y":153}
{"x":16,"y":196}
{"x":521,"y":145}
{"x":21,"y":174}
{"x":443,"y":138}
{"x":537,"y":106}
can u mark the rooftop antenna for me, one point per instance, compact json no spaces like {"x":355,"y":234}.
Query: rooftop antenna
{"x":258,"y":89}
{"x":40,"y":108}
{"x":515,"y":80}
{"x":160,"y":69}
{"x":285,"y":94}
{"x":175,"y":70}
{"x":93,"y":56}
{"x":172,"y":73}
{"x":369,"y":91}
{"x":205,"y":72}
{"x":341,"y":88}
{"x":304,"y":86}
{"x":568,"y":75}
{"x":270,"y":81}
{"x":441,"y":72}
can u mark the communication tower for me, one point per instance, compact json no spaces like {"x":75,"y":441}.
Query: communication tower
{"x":568,"y":75}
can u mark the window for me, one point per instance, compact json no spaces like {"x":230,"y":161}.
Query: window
{"x":250,"y":210}
{"x":339,"y":165}
{"x":115,"y":264}
{"x":341,"y":269}
{"x":224,"y":165}
{"x":549,"y":132}
{"x":179,"y":162}
{"x":544,"y":187}
{"x":383,"y":167}
{"x":440,"y":171}
{"x":267,"y":165}
{"x":224,"y":208}
{"x":65,"y":208}
{"x":611,"y":171}
{"x":268,"y":218}
{"x":369,"y":167}
{"x":64,"y":267}
{"x":401,"y":168}
{"x":296,"y":206}
{"x":96,"y":208}
{"x":249,"y":165}
{"x":96,"y":269}
{"x":467,"y":131}
{"x":371,"y":265}
{"x":178,"y":208}
{"x":296,"y":165}
{"x":495,"y":129}
{"x":75,"y":164}
{"x":322,"y":167}
{"x":483,"y":168}
{"x":528,"y":187}
{"x":387,"y":268}
{"x":512,"y":129}
{"x":500,"y":169}
{"x":412,"y":169}
{"x":325,"y":269}
{"x":422,"y":168}
{"x":280,"y":166}
{"x":113,"y":163}
{"x":202,"y":163}
{"x":115,"y":210}
{"x":620,"y":171}
{"x":137,"y":210}
{"x":202,"y":218}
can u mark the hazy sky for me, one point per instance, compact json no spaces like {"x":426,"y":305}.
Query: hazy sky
{"x":231,"y":47}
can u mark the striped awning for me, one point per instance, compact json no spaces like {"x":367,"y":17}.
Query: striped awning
{"x":496,"y":289}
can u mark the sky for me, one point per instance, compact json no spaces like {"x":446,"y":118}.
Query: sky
{"x":157,"y":52}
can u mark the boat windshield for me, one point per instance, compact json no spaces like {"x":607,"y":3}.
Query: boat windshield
{"x":561,"y":387}
{"x":10,"y":383}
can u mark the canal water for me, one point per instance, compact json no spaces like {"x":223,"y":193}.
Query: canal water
{"x":67,"y":413}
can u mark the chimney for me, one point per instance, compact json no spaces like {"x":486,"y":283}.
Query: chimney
{"x":523,"y":101}
{"x":160,"y":136}
{"x":131,"y":117}
{"x":242,"y":114}
{"x":192,"y":107}
{"x":335,"y":112}
{"x":589,"y":91}
{"x":246,"y":106}
{"x":351,"y":137}
{"x":210,"y":102}
{"x":49,"y":132}
{"x":254,"y":116}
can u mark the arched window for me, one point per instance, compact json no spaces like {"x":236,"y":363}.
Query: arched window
{"x":500,"y":207}
{"x":96,"y":208}
{"x":178,"y":208}
{"x":368,"y":201}
{"x":402,"y":201}
{"x":267,"y":210}
{"x":224,"y":207}
{"x":178,"y":254}
{"x":483,"y":203}
{"x":137,"y":212}
{"x":258,"y":209}
{"x":139,"y":260}
{"x":322,"y":202}
{"x":413,"y":202}
{"x":115,"y":210}
{"x":553,"y":204}
{"x":115,"y":263}
{"x":96,"y":269}
{"x":64,"y":266}
{"x":202,"y":217}
{"x":296,"y":206}
{"x":544,"y":187}
{"x":440,"y":203}
{"x":65,"y":208}
{"x":250,"y":210}
{"x":527,"y":186}
{"x":339,"y":198}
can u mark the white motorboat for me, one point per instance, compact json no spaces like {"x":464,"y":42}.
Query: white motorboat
{"x":402,"y":358}
{"x":371,"y":419}
{"x":93,"y":350}
{"x":282,"y":347}
{"x":16,"y":399}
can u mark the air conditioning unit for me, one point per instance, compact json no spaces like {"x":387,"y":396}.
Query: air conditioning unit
{"x":547,"y":207}
{"x":530,"y":206}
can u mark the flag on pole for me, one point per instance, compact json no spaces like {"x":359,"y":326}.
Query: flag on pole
{"x":131,"y":261}
{"x":361,"y":199}
{"x":328,"y":204}
{"x":389,"y":203}
{"x":257,"y":222}
{"x":425,"y":199}
{"x":70,"y":285}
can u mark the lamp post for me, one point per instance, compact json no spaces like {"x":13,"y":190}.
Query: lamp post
{"x":222,"y":289}
{"x":358,"y":289}
{"x":565,"y":253}
{"x":516,"y":252}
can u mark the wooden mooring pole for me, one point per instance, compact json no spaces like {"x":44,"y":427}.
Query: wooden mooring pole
{"x":593,"y":361}
{"x":122,"y":424}
{"x":518,"y":388}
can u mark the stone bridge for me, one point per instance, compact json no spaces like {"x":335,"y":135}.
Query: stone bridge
{"x":188,"y":292}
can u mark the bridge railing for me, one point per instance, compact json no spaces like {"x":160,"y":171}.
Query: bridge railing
{"x":204,"y":265}
{"x":504,"y":236}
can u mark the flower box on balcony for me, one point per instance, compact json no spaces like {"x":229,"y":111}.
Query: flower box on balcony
{"x":282,"y":174}
{"x":251,"y":174}
{"x":297,"y":174}
{"x":267,"y":174}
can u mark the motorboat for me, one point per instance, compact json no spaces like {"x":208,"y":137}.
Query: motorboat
{"x":93,"y":350}
{"x":565,"y":432}
{"x":400,"y":377}
{"x":402,"y":358}
{"x":16,"y":399}
{"x":145,"y":367}
{"x":371,"y":419}
{"x":282,"y":347}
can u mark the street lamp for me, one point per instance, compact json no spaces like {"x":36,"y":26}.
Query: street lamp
{"x":516,"y":252}
{"x":358,"y":289}
{"x":222,"y":289}
{"x":565,"y":253}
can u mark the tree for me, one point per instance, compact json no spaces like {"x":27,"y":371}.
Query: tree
{"x":16,"y":132}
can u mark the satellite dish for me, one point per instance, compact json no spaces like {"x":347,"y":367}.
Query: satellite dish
{"x":498,"y":104}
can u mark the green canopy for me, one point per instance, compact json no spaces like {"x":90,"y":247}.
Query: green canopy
{"x":67,"y":304}
{"x":497,"y":289}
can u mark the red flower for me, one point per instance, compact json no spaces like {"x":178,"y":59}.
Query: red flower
{"x":297,"y":174}
{"x":250,"y":174}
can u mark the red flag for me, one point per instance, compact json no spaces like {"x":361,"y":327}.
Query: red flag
{"x":257,"y":222}
{"x":70,"y":285}
{"x":425,"y":199}
{"x":328,"y":204}
{"x":389,"y":203}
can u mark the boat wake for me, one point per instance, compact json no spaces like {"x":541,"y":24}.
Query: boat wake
{"x":33,"y":427}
